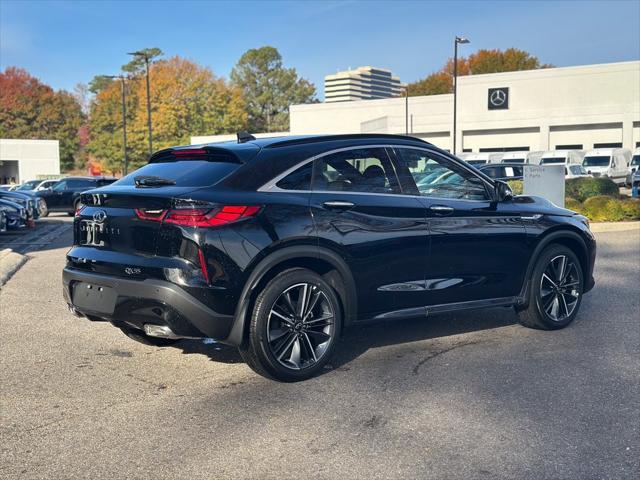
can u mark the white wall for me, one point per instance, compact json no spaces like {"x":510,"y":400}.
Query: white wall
{"x":547,"y":107}
{"x":35,"y":157}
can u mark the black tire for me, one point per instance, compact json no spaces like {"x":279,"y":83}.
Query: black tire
{"x":313,"y":334}
{"x":76,"y":204}
{"x":45,"y":211}
{"x":551,"y":299}
{"x":141,"y":337}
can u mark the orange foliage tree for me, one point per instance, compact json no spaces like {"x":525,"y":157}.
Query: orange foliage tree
{"x":482,"y":61}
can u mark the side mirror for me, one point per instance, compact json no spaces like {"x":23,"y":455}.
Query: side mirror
{"x":502,"y":191}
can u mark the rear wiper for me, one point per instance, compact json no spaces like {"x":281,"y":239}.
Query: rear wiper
{"x":152,"y":181}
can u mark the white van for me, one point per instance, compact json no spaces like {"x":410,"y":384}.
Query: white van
{"x":608,"y":162}
{"x":633,"y":165}
{"x":522,"y":157}
{"x":562,"y":157}
{"x":481,"y":158}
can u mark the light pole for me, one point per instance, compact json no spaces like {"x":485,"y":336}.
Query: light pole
{"x":146,"y":57}
{"x":124,"y":120}
{"x":406,"y":109}
{"x":455,"y":85}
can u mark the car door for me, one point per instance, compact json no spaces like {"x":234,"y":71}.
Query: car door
{"x":54,"y":197}
{"x":359,"y":210}
{"x":478,"y":246}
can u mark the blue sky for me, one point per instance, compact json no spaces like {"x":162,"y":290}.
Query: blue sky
{"x":64,"y":43}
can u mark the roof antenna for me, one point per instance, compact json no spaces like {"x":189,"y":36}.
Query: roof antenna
{"x":244,"y":137}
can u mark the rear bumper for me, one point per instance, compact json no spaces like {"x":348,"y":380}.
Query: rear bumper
{"x":139,"y":302}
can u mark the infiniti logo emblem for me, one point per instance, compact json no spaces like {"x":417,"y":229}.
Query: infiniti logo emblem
{"x":99,"y":216}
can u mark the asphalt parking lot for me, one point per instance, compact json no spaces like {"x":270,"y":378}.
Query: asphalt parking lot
{"x":469,"y":396}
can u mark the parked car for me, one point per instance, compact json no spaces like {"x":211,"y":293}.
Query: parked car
{"x":36,"y":185}
{"x":29,"y":202}
{"x":608,"y":162}
{"x":15,"y":214}
{"x":503,"y":171}
{"x":64,"y":196}
{"x":562,"y":157}
{"x":575,"y":171}
{"x":523,"y":156}
{"x":481,"y":158}
{"x":633,"y":166}
{"x":635,"y":184}
{"x":275,"y":245}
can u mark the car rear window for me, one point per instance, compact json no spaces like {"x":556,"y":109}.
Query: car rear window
{"x":185,"y":173}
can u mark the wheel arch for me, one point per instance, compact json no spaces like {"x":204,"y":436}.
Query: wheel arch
{"x":330,"y":265}
{"x":568,"y":238}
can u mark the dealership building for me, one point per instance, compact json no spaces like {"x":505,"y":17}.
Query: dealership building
{"x":580,"y":107}
{"x":22,"y":160}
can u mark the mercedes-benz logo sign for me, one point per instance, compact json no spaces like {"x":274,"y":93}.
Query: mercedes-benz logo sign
{"x":99,"y":216}
{"x":498,"y":97}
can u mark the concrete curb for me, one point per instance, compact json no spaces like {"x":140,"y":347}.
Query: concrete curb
{"x":601,"y":227}
{"x":10,"y":262}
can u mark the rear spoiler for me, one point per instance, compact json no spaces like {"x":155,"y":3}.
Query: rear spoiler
{"x":210,"y":154}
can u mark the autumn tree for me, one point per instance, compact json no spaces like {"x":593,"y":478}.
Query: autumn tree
{"x":269,"y":88}
{"x":186,"y":99}
{"x":32,"y":110}
{"x":482,"y":61}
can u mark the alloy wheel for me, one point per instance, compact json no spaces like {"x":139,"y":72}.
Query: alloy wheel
{"x":300,"y":326}
{"x":560,"y":288}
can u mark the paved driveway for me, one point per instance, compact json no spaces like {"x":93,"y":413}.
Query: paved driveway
{"x":470,"y":395}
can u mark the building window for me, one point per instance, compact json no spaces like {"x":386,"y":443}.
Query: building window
{"x":466,"y":150}
{"x":608,"y":145}
{"x":577,"y":146}
{"x":505,"y":149}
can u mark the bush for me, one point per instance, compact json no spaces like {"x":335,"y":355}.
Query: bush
{"x":572,"y":204}
{"x":603,"y":209}
{"x":631,"y":208}
{"x":516,"y":186}
{"x":587,"y":187}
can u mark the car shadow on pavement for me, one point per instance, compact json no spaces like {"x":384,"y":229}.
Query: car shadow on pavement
{"x":357,"y":340}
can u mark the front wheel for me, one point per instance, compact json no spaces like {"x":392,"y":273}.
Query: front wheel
{"x":294,"y":326}
{"x":556,"y":290}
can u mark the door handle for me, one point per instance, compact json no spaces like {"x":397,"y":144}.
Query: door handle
{"x":441,"y":209}
{"x":338,"y":205}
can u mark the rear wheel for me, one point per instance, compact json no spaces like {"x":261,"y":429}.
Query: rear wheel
{"x":556,"y":290}
{"x":294,"y":326}
{"x":141,"y":337}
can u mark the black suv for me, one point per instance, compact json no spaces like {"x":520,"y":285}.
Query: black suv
{"x":64,"y":196}
{"x":276,"y":245}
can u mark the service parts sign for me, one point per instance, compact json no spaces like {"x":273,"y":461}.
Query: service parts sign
{"x":546,"y":181}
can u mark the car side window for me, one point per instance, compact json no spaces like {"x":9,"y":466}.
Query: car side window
{"x":80,"y":183}
{"x":358,"y":170}
{"x":60,"y":186}
{"x":299,"y":179}
{"x":438,"y":177}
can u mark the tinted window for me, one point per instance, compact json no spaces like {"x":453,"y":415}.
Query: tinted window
{"x":512,"y":172}
{"x":62,"y":185}
{"x":635,"y":160}
{"x":493,"y":172}
{"x":299,"y":179}
{"x":596,"y":161}
{"x":437,"y":176}
{"x":359,"y":170}
{"x":552,"y":160}
{"x":80,"y":183}
{"x":187,"y":173}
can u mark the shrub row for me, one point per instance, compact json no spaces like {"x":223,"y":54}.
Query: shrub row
{"x":586,"y":187}
{"x":603,"y":208}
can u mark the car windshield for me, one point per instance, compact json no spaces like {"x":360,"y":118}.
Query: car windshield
{"x":476,"y":162}
{"x":597,"y":161}
{"x":514,"y":160}
{"x":29,"y":185}
{"x":552,"y":160}
{"x":577,"y":170}
{"x":635,"y":160}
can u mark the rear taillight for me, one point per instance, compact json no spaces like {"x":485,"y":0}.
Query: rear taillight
{"x":200,"y":217}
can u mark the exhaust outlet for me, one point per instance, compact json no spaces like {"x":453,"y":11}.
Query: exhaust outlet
{"x":159,"y":331}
